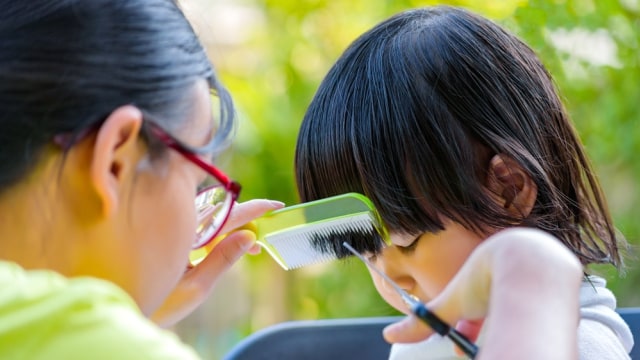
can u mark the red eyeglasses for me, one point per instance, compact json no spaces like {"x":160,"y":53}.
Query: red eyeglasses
{"x":213,"y":203}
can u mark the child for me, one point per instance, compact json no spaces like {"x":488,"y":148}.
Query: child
{"x":453,"y":127}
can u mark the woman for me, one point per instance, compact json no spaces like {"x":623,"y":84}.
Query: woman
{"x":107,"y":134}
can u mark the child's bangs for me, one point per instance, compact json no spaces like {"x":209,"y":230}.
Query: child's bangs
{"x":410,"y":210}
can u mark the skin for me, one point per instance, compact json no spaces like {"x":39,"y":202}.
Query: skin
{"x":423,"y":265}
{"x":503,"y":277}
{"x":105,"y":211}
{"x":426,"y":264}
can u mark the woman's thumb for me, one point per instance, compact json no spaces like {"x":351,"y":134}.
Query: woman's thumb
{"x":407,"y":330}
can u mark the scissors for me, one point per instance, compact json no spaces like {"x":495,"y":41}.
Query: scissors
{"x":421,"y":311}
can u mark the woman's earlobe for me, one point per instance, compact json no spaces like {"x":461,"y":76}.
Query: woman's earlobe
{"x":512,"y":185}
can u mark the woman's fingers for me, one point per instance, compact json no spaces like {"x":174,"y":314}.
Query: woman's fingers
{"x":222,"y":257}
{"x":198,"y":282}
{"x":244,"y":212}
{"x":407,"y":330}
{"x":464,"y":297}
{"x":504,"y":274}
{"x":411,"y":329}
{"x":255,"y":249}
{"x":470,"y":328}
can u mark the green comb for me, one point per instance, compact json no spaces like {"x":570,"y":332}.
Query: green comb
{"x":294,"y":235}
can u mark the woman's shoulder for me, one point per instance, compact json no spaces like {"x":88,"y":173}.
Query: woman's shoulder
{"x":45,"y":293}
{"x":45,"y":315}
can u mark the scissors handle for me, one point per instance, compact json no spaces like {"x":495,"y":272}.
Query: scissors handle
{"x":442,"y":328}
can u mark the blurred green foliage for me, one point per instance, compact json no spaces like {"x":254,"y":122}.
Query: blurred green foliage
{"x":590,"y":46}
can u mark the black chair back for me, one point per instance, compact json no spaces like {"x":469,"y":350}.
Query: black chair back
{"x":346,"y":339}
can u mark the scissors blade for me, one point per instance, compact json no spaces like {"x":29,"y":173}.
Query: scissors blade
{"x":408,"y":299}
{"x":420,"y":310}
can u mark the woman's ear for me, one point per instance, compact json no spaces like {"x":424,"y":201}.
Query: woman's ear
{"x":116,"y":152}
{"x":511,"y":185}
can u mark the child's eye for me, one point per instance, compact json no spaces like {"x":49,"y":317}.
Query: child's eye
{"x":411,"y":247}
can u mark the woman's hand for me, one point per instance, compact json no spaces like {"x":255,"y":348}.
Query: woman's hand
{"x":197,"y":282}
{"x":528,"y":283}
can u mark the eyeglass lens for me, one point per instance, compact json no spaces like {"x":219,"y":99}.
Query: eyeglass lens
{"x":213,"y":205}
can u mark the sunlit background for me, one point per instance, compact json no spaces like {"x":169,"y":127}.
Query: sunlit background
{"x":272,"y":56}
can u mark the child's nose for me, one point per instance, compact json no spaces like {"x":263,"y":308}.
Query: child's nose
{"x":392,"y":265}
{"x":406,"y":283}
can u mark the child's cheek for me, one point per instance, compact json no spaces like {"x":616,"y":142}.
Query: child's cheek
{"x":388,"y":293}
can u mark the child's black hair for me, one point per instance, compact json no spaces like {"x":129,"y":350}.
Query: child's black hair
{"x":411,"y":114}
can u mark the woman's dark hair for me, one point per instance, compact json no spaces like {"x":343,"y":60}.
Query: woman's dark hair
{"x":65,"y":65}
{"x":411,"y":114}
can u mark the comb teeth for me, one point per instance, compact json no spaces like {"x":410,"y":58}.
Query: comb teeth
{"x":311,"y":243}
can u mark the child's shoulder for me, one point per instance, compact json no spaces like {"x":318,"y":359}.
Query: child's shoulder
{"x":602,"y":332}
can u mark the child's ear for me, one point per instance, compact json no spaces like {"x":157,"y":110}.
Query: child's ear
{"x":511,"y":185}
{"x":115,"y":155}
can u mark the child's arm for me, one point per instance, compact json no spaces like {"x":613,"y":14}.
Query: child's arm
{"x":529,"y":284}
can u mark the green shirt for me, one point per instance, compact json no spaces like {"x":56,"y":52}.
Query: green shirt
{"x":44,"y":315}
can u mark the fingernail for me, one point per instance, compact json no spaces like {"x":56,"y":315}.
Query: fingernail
{"x":276,"y":204}
{"x":249,"y":239}
{"x":248,"y":244}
